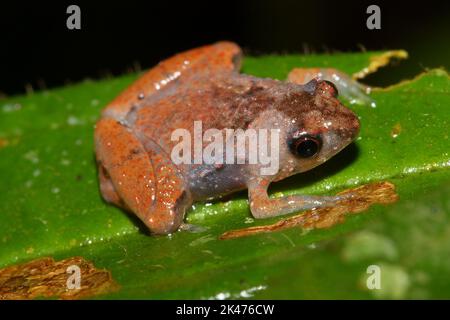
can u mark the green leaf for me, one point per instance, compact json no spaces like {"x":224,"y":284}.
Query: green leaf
{"x":50,"y":204}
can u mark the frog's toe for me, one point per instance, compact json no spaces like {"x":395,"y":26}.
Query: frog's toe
{"x":193,"y":228}
{"x":355,"y":92}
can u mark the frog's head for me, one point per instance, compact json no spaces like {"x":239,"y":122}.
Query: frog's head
{"x":317,"y":126}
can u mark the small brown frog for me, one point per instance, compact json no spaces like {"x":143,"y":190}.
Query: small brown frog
{"x":134,"y":140}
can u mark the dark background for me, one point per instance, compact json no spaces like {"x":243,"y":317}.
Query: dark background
{"x":38,"y":51}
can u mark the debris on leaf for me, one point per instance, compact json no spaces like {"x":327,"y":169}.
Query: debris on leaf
{"x":379,"y":61}
{"x":47,"y":278}
{"x":3,"y":142}
{"x":396,"y":129}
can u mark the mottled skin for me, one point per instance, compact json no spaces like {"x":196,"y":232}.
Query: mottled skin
{"x":133,"y":136}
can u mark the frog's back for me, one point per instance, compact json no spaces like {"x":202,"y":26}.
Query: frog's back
{"x":217,"y":100}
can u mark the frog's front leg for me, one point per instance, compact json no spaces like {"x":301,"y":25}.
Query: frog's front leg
{"x":262,"y":206}
{"x":349,"y":88}
{"x":138,"y":176}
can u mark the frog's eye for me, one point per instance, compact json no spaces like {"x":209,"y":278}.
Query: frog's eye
{"x":332,"y":89}
{"x":306,"y":145}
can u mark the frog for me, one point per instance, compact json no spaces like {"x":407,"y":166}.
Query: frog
{"x":134,"y":142}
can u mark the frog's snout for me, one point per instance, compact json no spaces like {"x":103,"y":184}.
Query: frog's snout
{"x":350,"y":133}
{"x":347,"y":124}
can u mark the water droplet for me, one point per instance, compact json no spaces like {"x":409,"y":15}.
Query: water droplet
{"x":10,"y":107}
{"x":32,"y":156}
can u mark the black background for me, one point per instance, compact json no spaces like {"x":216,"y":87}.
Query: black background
{"x":37,"y":49}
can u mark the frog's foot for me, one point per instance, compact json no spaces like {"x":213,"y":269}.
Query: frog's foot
{"x":262,"y":206}
{"x":349,"y":88}
{"x":193,"y":228}
{"x":139,"y":178}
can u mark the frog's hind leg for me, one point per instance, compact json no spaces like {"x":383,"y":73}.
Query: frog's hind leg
{"x":144,"y":180}
{"x":107,"y":189}
{"x":349,"y":88}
